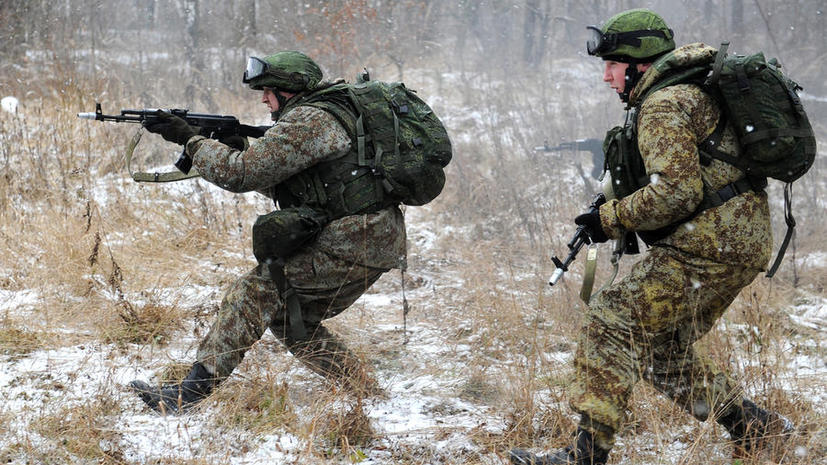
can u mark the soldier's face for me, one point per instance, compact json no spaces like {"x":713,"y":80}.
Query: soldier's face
{"x":268,"y":97}
{"x":614,"y":73}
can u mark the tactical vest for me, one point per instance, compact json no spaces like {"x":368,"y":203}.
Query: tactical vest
{"x":624,"y":164}
{"x":341,"y":187}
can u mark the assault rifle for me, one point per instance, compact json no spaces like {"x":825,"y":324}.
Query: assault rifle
{"x":581,"y":238}
{"x":595,"y":146}
{"x":216,"y":127}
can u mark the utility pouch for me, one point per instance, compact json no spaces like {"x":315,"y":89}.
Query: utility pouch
{"x":281,"y":233}
{"x":623,"y":161}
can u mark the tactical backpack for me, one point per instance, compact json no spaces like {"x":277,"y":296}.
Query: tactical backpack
{"x":767,"y":115}
{"x":772,"y":128}
{"x":402,"y":140}
{"x":398,"y":154}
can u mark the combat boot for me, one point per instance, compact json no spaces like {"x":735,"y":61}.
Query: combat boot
{"x":752,"y":428}
{"x":176,"y":398}
{"x":583,"y":452}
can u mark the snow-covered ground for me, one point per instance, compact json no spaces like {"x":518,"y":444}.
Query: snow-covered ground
{"x":434,"y":412}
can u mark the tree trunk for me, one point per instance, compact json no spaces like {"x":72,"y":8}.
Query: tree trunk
{"x":530,"y":32}
{"x":738,"y":17}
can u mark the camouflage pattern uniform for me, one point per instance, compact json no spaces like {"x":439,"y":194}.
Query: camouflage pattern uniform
{"x":328,"y":275}
{"x":644,"y":326}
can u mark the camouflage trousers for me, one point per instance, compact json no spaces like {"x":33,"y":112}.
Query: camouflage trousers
{"x":325,"y":285}
{"x":644,"y":327}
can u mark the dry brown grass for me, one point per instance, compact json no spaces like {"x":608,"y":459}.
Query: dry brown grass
{"x":107,"y":259}
{"x":87,"y":431}
{"x":258,"y":406}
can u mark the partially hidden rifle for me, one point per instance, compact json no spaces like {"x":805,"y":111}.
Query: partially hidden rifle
{"x":218,"y":127}
{"x":595,"y":146}
{"x":581,"y":238}
{"x":626,"y":245}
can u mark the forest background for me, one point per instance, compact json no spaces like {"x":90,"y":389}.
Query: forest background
{"x":103,"y":280}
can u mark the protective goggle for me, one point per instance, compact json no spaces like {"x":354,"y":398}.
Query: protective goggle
{"x":599,"y":43}
{"x":255,"y":68}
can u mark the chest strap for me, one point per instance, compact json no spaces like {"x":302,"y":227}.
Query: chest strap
{"x":733,"y":189}
{"x":711,"y":200}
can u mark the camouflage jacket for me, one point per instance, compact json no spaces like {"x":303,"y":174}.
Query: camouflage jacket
{"x":301,"y":138}
{"x":671,"y":123}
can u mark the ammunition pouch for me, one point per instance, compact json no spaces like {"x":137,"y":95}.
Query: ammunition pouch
{"x":281,"y":233}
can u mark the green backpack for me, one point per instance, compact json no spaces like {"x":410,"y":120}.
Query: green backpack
{"x":762,"y":104}
{"x":410,"y":144}
{"x":774,"y":132}
{"x":766,"y":113}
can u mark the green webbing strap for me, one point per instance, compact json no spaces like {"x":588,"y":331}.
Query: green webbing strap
{"x":152,"y":177}
{"x":360,"y":141}
{"x":291,"y":299}
{"x":718,"y":65}
{"x":588,"y":274}
{"x":405,"y":309}
{"x":774,"y":133}
{"x":788,"y":218}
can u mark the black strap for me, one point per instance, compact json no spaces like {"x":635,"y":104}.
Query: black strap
{"x":733,"y":189}
{"x":709,"y":147}
{"x":291,"y":299}
{"x":788,"y":218}
{"x":713,"y":200}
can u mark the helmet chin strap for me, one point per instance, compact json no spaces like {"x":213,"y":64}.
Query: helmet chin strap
{"x":633,"y":75}
{"x":275,"y":115}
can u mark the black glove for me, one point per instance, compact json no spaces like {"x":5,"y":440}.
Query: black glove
{"x":170,"y":127}
{"x":594,"y":229}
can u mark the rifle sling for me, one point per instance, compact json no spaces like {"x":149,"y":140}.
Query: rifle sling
{"x":170,"y":176}
{"x":588,"y":274}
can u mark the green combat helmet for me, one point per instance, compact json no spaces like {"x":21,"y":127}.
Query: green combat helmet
{"x":633,"y":36}
{"x":289,"y":71}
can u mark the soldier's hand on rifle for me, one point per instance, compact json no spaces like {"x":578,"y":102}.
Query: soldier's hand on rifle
{"x":170,"y":127}
{"x":594,"y":229}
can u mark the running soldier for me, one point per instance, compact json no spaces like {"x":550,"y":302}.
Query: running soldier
{"x":708,"y":228}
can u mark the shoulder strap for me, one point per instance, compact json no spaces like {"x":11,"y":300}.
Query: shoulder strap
{"x":170,"y":176}
{"x":692,"y":75}
{"x":718,"y":65}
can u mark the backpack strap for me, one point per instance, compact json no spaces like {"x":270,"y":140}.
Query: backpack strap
{"x":291,"y":300}
{"x":712,"y":200}
{"x":788,"y":218}
{"x":718,"y":65}
{"x":733,"y":189}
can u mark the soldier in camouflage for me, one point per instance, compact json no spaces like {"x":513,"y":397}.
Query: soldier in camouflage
{"x":327,"y":271}
{"x":701,"y":254}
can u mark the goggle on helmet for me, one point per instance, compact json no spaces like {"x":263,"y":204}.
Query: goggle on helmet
{"x":605,"y":43}
{"x":288,"y":71}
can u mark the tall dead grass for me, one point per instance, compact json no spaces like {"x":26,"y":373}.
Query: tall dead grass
{"x":106,"y":255}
